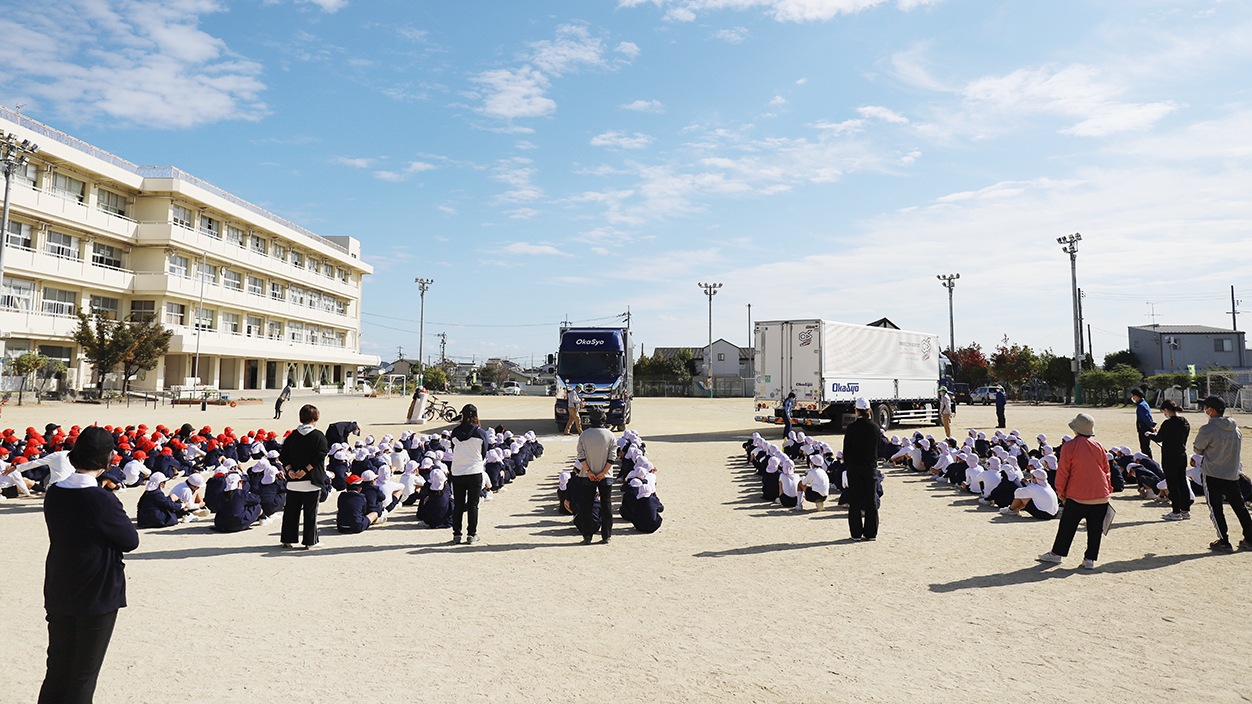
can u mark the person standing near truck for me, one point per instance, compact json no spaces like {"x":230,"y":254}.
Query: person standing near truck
{"x":1001,"y":402}
{"x":945,"y":410}
{"x":574,"y":406}
{"x":787,"y":406}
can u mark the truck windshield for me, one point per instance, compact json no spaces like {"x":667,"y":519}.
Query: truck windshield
{"x":590,"y":365}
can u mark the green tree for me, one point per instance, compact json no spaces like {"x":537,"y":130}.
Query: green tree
{"x":1058,"y":372}
{"x":970,"y":364}
{"x":1126,"y":357}
{"x":436,"y":378}
{"x":1096,"y":383}
{"x":1014,"y":364}
{"x":1123,"y":377}
{"x":145,"y":342}
{"x":688,"y":362}
{"x":25,"y":365}
{"x":103,"y":342}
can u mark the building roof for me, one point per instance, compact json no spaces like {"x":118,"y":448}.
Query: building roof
{"x":1184,"y":329}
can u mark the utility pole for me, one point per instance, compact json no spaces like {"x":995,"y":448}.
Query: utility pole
{"x":1069,"y":245}
{"x":1234,"y":316}
{"x":13,"y":155}
{"x":1082,"y":350}
{"x":423,"y":285}
{"x":949,"y":282}
{"x":710,"y":290}
{"x":443,"y":345}
{"x":751,"y":343}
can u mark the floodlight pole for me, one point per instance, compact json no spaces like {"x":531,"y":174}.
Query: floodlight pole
{"x":1069,"y":245}
{"x":423,"y":285}
{"x":13,"y":154}
{"x":949,"y":282}
{"x":710,"y":290}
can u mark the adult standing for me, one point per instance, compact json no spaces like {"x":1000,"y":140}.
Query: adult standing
{"x":860,"y":461}
{"x":574,"y":407}
{"x":945,"y":410}
{"x":788,"y":405}
{"x":303,"y":456}
{"x":1220,"y":442}
{"x":595,"y":464}
{"x":283,"y":397}
{"x":1144,"y":424}
{"x":1083,"y":487}
{"x":338,"y":432}
{"x":1001,"y":402}
{"x":1173,"y":435}
{"x":84,"y":577}
{"x":469,"y":450}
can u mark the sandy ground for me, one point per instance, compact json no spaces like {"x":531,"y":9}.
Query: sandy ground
{"x":732,"y":600}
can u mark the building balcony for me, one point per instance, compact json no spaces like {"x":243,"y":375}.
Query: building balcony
{"x":219,"y":343}
{"x":217,"y":296}
{"x":68,"y":271}
{"x":65,"y":210}
{"x":32,"y":322}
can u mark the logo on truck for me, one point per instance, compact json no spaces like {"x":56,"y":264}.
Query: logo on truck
{"x":593,"y":343}
{"x":926,"y":349}
{"x":806,"y":337}
{"x":845,"y":388}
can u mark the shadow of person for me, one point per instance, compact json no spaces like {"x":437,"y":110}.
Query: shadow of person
{"x":1044,"y":571}
{"x":774,"y":547}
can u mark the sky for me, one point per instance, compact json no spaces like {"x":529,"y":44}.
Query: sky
{"x":550,"y":161}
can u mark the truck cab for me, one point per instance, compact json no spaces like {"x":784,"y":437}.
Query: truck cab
{"x":597,"y":362}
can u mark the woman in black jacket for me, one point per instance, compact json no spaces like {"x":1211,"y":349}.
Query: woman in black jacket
{"x":303,"y":457}
{"x":1172,"y":433}
{"x":84,"y":579}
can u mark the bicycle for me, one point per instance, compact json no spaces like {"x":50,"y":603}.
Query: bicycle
{"x":438,"y":407}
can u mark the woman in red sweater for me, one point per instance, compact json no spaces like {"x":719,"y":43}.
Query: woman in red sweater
{"x":1083,"y":486}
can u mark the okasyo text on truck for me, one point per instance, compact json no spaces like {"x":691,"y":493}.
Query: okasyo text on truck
{"x":829,"y":365}
{"x":599,"y":363}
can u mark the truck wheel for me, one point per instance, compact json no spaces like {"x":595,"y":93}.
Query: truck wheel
{"x":882,"y":416}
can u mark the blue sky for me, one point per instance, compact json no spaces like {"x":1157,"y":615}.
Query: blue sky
{"x":821,"y":158}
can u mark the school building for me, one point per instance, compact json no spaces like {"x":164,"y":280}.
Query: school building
{"x":261,"y":299}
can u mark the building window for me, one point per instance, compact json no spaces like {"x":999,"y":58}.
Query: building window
{"x":279,"y":252}
{"x":207,"y":273}
{"x":143,"y":311}
{"x":230,"y":323}
{"x":232,"y":280}
{"x":178,"y":266}
{"x":341,"y":307}
{"x":721,"y":356}
{"x":175,"y":314}
{"x":343,"y":339}
{"x":275,"y":330}
{"x":1223,"y":344}
{"x":234,"y":235}
{"x":68,"y":187}
{"x":258,"y":245}
{"x":58,"y":302}
{"x":256,"y":286}
{"x":183,"y":217}
{"x":106,"y":255}
{"x":276,"y":291}
{"x":297,"y":295}
{"x":343,"y":275}
{"x":62,"y":245}
{"x":111,"y":202}
{"x":210,"y":227}
{"x":104,"y":306}
{"x":19,"y":235}
{"x":315,"y":266}
{"x":205,"y":318}
{"x":19,"y":295}
{"x":256,"y":327}
{"x":296,"y":331}
{"x":297,"y":259}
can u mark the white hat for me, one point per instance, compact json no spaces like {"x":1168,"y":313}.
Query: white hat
{"x":195,"y":480}
{"x":369,"y":475}
{"x":862,"y":404}
{"x":232,"y":482}
{"x":1041,"y":476}
{"x":155,"y":481}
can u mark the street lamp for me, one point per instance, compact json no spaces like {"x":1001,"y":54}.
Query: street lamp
{"x":13,"y":155}
{"x":1069,"y":245}
{"x":949,"y":282}
{"x":423,"y":285}
{"x":710,"y":290}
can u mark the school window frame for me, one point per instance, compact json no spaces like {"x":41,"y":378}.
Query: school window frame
{"x":59,"y":302}
{"x":255,"y":326}
{"x":230,"y":323}
{"x":61,"y":245}
{"x":210,"y":226}
{"x":65,"y":186}
{"x":343,"y":274}
{"x":296,"y":294}
{"x":235,"y":236}
{"x":274,"y":330}
{"x":106,"y":255}
{"x":205,"y":318}
{"x":297,"y":259}
{"x":259,"y":245}
{"x":341,"y":307}
{"x":179,"y":266}
{"x":276,"y":291}
{"x":175,"y":314}
{"x":256,"y":286}
{"x":143,"y":311}
{"x":19,"y":235}
{"x":1223,"y":344}
{"x":182,"y":216}
{"x":295,"y":332}
{"x":278,"y":251}
{"x":110,"y":201}
{"x":232,"y":280}
{"x":105,"y":306}
{"x":18,"y":295}
{"x":206,"y":273}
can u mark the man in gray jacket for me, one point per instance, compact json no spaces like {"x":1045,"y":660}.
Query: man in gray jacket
{"x":1220,"y":443}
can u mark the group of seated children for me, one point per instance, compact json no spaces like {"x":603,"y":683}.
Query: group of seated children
{"x":640,"y":505}
{"x":823,"y":471}
{"x":424,"y":479}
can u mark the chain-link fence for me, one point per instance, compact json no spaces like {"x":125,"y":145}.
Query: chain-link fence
{"x":723,"y":387}
{"x":1234,"y":387}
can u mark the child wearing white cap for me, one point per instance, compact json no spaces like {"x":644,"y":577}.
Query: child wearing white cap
{"x":1037,"y":498}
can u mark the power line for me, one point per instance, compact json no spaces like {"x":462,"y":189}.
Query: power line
{"x":477,"y":325}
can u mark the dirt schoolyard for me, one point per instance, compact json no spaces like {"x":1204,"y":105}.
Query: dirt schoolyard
{"x":732,"y":600}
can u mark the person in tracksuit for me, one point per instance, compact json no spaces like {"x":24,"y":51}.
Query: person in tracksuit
{"x":787,"y":406}
{"x":1145,"y":426}
{"x":1001,"y":402}
{"x":860,"y":460}
{"x":1220,"y":443}
{"x":469,"y":449}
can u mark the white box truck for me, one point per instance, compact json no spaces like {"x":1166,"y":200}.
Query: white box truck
{"x":828,"y":365}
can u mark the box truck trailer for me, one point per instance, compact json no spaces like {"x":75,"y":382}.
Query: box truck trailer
{"x":828,"y":365}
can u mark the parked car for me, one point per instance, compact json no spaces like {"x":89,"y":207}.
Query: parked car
{"x":960,"y":394}
{"x":984,"y":395}
{"x":490,"y":389}
{"x":511,"y":388}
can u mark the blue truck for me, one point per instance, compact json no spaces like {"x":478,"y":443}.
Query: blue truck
{"x":599,"y":363}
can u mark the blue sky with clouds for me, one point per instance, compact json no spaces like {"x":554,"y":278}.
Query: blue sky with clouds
{"x":821,"y":158}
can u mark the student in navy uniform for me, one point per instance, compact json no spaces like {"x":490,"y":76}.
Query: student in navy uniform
{"x":84,"y":581}
{"x":272,"y":492}
{"x":156,"y":510}
{"x":1172,"y":434}
{"x":860,"y":460}
{"x":240,"y":507}
{"x":646,"y":509}
{"x":434,"y":506}
{"x":354,"y":514}
{"x":339,"y":432}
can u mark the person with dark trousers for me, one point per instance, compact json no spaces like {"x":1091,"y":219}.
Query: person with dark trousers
{"x":787,"y":406}
{"x":84,"y":578}
{"x":1001,"y":402}
{"x":595,"y":464}
{"x":860,"y":461}
{"x":1083,"y":487}
{"x":1144,"y":424}
{"x":338,"y":432}
{"x":283,"y":397}
{"x":1219,"y":442}
{"x":354,"y":515}
{"x":1172,"y":434}
{"x":303,"y":458}
{"x":469,"y":452}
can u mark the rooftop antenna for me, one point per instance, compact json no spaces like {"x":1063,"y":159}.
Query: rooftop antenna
{"x":1153,"y":313}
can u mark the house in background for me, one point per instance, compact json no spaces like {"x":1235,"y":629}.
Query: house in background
{"x":1173,"y":348}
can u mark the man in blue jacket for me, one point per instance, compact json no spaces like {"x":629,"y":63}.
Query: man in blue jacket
{"x":787,"y":407}
{"x":1001,"y":402}
{"x":1143,"y":421}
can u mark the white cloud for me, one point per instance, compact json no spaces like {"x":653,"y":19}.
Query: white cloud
{"x":620,"y":140}
{"x":138,"y":62}
{"x":527,"y":248}
{"x":516,"y":172}
{"x":630,"y":49}
{"x":910,"y":66}
{"x":413,"y":167}
{"x":881,"y":113}
{"x":524,"y":144}
{"x":778,"y":100}
{"x":523,"y":213}
{"x":734,"y":36}
{"x":802,"y":81}
{"x":781,"y":10}
{"x":644,"y":106}
{"x":574,"y":46}
{"x":446,"y":209}
{"x":357,"y":163}
{"x":330,"y":6}
{"x":514,"y":93}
